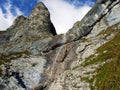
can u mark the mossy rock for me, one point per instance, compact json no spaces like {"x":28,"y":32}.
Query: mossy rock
{"x":108,"y":74}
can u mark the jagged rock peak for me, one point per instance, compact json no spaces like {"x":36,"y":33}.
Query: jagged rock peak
{"x":19,"y":20}
{"x":37,"y":60}
{"x":40,"y":9}
{"x":38,"y":24}
{"x":103,"y":1}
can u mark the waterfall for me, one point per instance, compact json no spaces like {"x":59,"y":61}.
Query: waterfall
{"x":57,"y":55}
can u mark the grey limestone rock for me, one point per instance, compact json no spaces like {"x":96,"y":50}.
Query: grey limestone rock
{"x":26,"y":33}
{"x":94,"y":16}
{"x":33,"y":57}
{"x":37,"y":24}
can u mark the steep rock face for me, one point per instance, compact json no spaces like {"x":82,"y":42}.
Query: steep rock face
{"x":96,"y":25}
{"x":94,"y":65}
{"x":25,"y":39}
{"x":101,"y":11}
{"x":5,"y":35}
{"x":38,"y":60}
{"x":26,"y":30}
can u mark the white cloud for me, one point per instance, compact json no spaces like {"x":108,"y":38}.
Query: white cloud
{"x":6,"y":19}
{"x":18,"y":12}
{"x":64,"y":15}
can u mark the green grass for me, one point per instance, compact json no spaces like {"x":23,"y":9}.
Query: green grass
{"x":85,"y":39}
{"x":109,"y":31}
{"x":106,"y":33}
{"x":35,"y":38}
{"x":6,"y":57}
{"x":107,"y":51}
{"x":90,"y":81}
{"x":108,"y":75}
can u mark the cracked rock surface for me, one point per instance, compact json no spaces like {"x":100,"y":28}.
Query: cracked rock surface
{"x":34,"y":57}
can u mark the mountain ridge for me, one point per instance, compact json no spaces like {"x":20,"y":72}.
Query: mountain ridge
{"x":33,"y":56}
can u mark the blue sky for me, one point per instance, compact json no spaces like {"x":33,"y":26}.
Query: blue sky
{"x":74,"y":10}
{"x":24,"y":5}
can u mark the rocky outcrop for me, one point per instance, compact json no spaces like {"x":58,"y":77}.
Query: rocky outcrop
{"x":38,"y":24}
{"x":101,"y":11}
{"x":37,"y":27}
{"x":32,"y":56}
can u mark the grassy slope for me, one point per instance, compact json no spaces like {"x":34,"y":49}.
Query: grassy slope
{"x":108,"y":75}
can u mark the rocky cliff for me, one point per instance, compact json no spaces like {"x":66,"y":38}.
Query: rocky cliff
{"x":34,"y":57}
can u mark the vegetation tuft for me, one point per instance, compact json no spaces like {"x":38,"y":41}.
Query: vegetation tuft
{"x":108,"y":75}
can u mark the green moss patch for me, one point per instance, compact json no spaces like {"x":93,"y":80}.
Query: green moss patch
{"x":35,"y":38}
{"x":7,"y":57}
{"x":108,"y":76}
